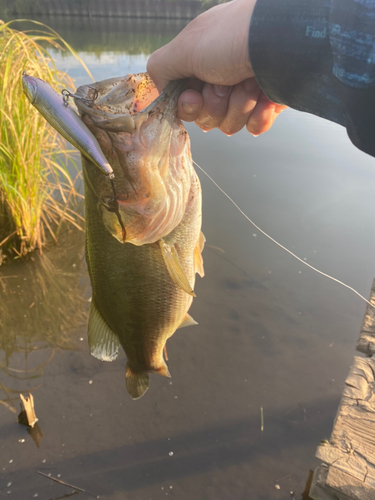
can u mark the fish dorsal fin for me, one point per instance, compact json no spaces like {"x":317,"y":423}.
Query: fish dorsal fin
{"x":198,"y":259}
{"x":188,"y":321}
{"x":104,"y":344}
{"x":174,"y":268}
{"x":137,"y":383}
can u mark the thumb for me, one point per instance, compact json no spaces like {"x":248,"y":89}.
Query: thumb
{"x":163,"y":67}
{"x":213,"y":48}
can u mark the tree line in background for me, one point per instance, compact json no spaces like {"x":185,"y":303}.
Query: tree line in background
{"x":33,"y":6}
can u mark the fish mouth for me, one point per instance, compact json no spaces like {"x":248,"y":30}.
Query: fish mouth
{"x":121,"y":104}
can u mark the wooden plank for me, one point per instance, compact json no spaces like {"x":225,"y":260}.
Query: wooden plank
{"x":347,"y":487}
{"x":331,"y":484}
{"x":366,"y":341}
{"x":348,"y":470}
{"x":318,"y":490}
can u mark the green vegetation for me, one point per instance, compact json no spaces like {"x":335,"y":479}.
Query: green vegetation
{"x":36,"y":191}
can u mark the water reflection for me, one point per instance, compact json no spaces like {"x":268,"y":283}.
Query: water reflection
{"x":95,"y":35}
{"x":109,"y":46}
{"x":42,"y":301}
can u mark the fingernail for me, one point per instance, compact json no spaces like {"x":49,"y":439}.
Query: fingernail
{"x":229,"y":135}
{"x":255,"y":135}
{"x":205,"y":131}
{"x":221,"y":90}
{"x":189,"y":109}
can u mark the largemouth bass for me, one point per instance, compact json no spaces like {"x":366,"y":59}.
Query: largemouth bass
{"x":64,"y":119}
{"x":144,"y":244}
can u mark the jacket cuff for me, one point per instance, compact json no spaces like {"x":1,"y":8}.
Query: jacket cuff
{"x":291,"y":56}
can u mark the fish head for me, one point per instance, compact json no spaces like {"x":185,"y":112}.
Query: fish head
{"x":30,"y":87}
{"x":149,"y":151}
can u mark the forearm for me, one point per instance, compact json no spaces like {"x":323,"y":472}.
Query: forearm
{"x":316,"y":56}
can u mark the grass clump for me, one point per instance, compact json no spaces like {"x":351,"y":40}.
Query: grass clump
{"x":36,"y":190}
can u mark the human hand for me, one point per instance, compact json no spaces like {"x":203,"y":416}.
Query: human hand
{"x":213,"y":52}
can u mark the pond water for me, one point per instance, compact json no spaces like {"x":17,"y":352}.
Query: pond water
{"x":272,"y":334}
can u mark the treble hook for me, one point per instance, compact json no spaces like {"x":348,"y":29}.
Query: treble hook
{"x":112,"y":201}
{"x":111,"y":204}
{"x":66,"y":94}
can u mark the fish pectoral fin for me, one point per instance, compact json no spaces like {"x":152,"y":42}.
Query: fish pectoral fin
{"x":188,"y":321}
{"x":104,"y":344}
{"x":174,"y":268}
{"x":137,"y":383}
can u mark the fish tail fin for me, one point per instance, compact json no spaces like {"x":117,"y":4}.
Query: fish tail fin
{"x":137,"y":383}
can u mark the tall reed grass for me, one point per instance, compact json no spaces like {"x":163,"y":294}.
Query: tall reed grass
{"x":37,"y":193}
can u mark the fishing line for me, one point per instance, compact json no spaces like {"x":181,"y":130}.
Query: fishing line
{"x":279,"y":244}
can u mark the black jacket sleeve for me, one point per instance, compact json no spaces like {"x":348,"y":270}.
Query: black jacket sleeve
{"x":318,"y":56}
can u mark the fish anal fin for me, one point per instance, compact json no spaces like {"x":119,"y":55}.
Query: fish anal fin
{"x":104,"y":344}
{"x":137,"y":383}
{"x":163,"y":370}
{"x":174,"y":268}
{"x":198,"y":260}
{"x":188,"y":321}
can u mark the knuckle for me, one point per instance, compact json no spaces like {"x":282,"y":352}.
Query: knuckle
{"x":241,"y":105}
{"x":251,"y":86}
{"x":150,"y":66}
